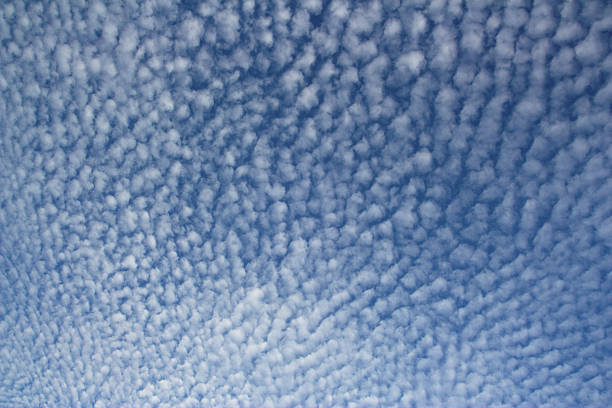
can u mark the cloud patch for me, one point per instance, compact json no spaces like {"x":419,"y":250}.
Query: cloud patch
{"x":316,"y":204}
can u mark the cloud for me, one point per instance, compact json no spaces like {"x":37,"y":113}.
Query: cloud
{"x":330,"y":203}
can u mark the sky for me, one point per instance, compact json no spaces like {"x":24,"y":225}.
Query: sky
{"x":306,"y":203}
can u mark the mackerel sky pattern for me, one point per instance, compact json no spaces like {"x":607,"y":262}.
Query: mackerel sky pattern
{"x":306,"y":203}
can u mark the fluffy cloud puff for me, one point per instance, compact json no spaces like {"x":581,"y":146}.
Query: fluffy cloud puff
{"x":333,"y":204}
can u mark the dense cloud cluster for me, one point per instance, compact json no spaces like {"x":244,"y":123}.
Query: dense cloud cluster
{"x":316,"y":203}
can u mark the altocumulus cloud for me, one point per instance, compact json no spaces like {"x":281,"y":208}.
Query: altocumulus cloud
{"x":319,"y":203}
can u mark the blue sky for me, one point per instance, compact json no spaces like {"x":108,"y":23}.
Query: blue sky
{"x":317,"y":203}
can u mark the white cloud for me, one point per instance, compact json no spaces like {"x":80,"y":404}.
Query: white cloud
{"x":325,"y":203}
{"x":308,"y":97}
{"x":228,"y":25}
{"x":128,"y":40}
{"x":411,"y":63}
{"x":192,"y":30}
{"x":430,"y":210}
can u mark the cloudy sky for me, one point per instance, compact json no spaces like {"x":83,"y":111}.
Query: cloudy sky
{"x":320,"y":203}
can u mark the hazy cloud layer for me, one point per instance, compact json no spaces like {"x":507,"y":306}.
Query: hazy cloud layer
{"x":338,"y":204}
